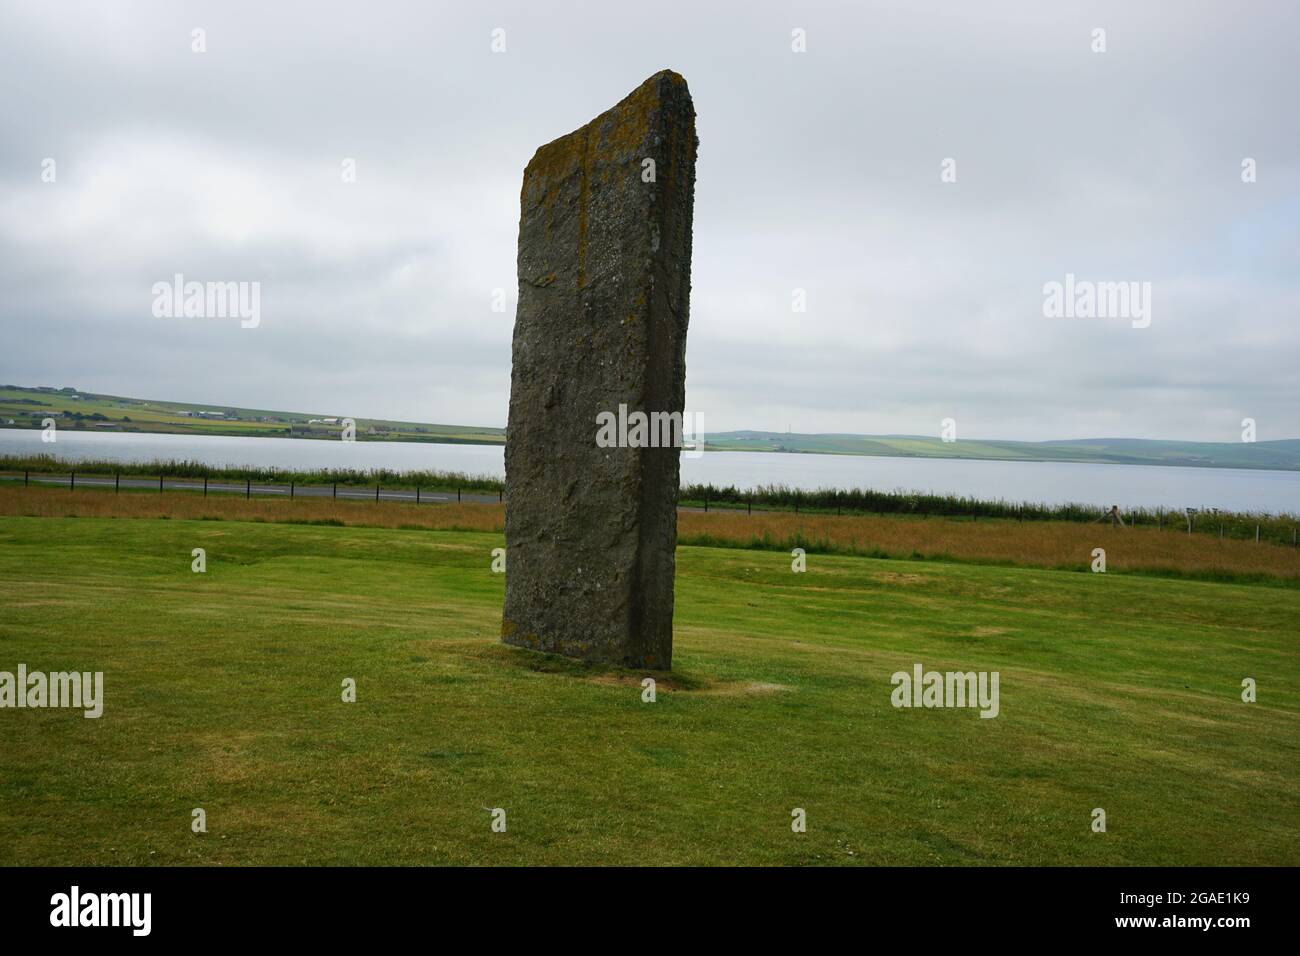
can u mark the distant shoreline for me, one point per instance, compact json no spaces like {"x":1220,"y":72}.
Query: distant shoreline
{"x":25,"y":408}
{"x":500,"y":443}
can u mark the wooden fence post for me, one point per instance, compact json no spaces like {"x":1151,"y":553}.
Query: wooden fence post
{"x":160,"y":477}
{"x":117,"y":483}
{"x":205,"y":486}
{"x":72,"y":482}
{"x":376,"y":492}
{"x":248,"y":488}
{"x":417,"y":494}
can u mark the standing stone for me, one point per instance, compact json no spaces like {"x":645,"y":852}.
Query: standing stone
{"x":604,"y":290}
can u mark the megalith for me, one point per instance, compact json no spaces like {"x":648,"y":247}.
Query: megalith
{"x":604,"y":291}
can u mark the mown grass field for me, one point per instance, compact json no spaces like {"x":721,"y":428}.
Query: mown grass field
{"x":223,"y":692}
{"x":1062,"y":545}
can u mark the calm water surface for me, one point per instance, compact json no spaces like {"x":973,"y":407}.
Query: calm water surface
{"x":1049,"y":482}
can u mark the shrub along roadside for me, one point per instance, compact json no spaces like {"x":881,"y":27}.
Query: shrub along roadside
{"x":350,"y":477}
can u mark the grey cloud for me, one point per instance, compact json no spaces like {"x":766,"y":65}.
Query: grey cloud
{"x":817,"y":171}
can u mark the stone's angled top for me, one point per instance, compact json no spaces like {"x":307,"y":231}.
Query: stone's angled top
{"x":594,"y":174}
{"x":622,"y":130}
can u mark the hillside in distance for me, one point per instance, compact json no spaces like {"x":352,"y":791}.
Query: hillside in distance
{"x":1281,"y":455}
{"x":77,"y":410}
{"x":72,"y":409}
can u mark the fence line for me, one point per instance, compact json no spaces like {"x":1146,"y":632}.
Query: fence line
{"x":264,"y":489}
{"x":270,"y":489}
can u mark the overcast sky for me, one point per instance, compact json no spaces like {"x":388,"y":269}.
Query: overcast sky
{"x":818,"y":171}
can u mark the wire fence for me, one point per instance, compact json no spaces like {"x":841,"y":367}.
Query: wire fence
{"x":249,"y":488}
{"x":1279,"y":530}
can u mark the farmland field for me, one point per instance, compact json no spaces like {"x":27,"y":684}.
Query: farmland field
{"x":1062,"y":545}
{"x":222,"y":692}
{"x":86,"y":411}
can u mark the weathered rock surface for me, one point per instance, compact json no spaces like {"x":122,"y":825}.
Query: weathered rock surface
{"x":604,"y":290}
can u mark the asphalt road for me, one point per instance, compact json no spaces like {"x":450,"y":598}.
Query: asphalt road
{"x":352,"y":493}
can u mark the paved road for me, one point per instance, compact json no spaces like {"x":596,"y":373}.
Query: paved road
{"x":353,"y":493}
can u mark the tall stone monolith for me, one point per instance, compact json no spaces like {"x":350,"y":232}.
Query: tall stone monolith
{"x":604,"y":291}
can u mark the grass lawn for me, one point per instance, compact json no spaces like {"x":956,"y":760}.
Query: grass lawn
{"x":223,"y":692}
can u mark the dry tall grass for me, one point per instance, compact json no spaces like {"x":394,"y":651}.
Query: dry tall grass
{"x":1051,"y":544}
{"x":53,"y":503}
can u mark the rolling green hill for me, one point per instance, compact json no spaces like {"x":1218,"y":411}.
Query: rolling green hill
{"x":1283,"y":455}
{"x":85,"y":411}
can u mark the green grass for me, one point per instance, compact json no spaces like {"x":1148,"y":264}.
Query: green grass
{"x":223,"y":692}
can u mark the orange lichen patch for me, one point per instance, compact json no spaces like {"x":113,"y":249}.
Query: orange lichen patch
{"x":550,"y":166}
{"x":584,"y":198}
{"x":619,"y":133}
{"x":576,"y":168}
{"x":623,"y":130}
